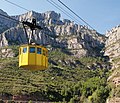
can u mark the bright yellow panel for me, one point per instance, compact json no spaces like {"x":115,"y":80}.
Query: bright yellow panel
{"x":33,"y":57}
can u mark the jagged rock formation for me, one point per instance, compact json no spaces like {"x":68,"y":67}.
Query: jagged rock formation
{"x":81,"y":40}
{"x":112,"y":46}
{"x":112,"y":49}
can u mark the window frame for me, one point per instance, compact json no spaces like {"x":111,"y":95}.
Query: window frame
{"x":20,"y":51}
{"x":44,"y":52}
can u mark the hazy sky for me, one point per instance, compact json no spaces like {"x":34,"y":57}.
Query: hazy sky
{"x":100,"y":14}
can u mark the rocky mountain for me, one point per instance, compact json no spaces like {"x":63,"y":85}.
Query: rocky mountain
{"x":80,"y":39}
{"x":5,"y":23}
{"x":112,"y":50}
{"x":88,"y":61}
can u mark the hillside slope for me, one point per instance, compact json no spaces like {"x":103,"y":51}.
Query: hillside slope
{"x":67,"y":79}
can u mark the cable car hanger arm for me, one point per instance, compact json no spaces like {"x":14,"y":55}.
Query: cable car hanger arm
{"x":32,"y":24}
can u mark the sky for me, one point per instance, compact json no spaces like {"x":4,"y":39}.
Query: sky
{"x":102,"y":15}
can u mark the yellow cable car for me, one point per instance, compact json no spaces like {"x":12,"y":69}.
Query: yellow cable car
{"x":33,"y":57}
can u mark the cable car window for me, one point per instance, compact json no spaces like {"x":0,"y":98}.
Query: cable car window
{"x":24,"y":50}
{"x":32,"y":49}
{"x":38,"y":50}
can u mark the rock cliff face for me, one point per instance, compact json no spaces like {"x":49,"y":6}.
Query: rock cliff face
{"x":112,"y":49}
{"x":81,"y":40}
{"x":6,"y":53}
{"x":4,"y":22}
{"x":112,"y":46}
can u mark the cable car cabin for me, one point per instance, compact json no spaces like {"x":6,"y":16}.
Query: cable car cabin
{"x":33,"y":57}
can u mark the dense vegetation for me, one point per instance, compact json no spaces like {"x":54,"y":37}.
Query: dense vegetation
{"x":113,"y":81}
{"x":68,"y":79}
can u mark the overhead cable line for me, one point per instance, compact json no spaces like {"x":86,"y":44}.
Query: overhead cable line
{"x":8,"y":17}
{"x":63,"y":10}
{"x":51,"y":2}
{"x":16,"y":5}
{"x":54,"y":4}
{"x":76,"y":14}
